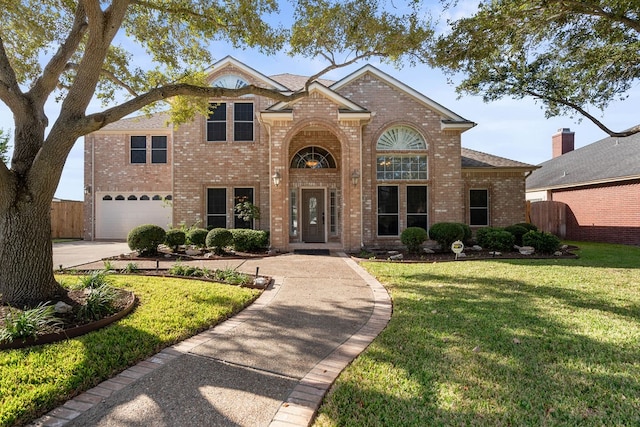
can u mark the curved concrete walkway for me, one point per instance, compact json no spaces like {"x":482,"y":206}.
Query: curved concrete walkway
{"x":270,"y":365}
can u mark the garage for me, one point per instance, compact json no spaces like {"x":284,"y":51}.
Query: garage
{"x":118,"y":213}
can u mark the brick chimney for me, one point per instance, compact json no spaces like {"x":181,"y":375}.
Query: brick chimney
{"x":562,"y":142}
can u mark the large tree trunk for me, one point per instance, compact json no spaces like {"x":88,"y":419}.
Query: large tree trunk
{"x":26,"y":259}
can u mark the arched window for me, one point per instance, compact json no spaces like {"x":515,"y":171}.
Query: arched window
{"x":168,"y":197}
{"x":392,"y":166}
{"x":144,"y":197}
{"x":313,"y":158}
{"x":107,"y":197}
{"x":401,"y":138}
{"x":119,"y":197}
{"x":132,"y":197}
{"x":157,"y":197}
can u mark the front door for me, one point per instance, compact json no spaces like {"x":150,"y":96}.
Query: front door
{"x":313,"y":216}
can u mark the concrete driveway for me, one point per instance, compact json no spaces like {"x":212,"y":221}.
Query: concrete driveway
{"x":71,"y":254}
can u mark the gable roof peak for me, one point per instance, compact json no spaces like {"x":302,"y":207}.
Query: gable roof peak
{"x":450,"y":119}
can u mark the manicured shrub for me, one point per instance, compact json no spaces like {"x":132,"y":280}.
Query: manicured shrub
{"x":218,"y":239}
{"x":174,"y":238}
{"x":445,"y":233}
{"x":497,"y":239}
{"x":467,"y":232}
{"x":528,"y":226}
{"x":518,"y":231}
{"x":247,"y":240}
{"x":542,"y":242}
{"x":146,"y":238}
{"x":413,"y":238}
{"x":482,"y":233}
{"x":197,"y":237}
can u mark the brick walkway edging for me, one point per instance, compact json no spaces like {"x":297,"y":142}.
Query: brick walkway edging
{"x":300,"y":407}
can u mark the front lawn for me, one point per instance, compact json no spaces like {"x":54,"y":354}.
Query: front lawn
{"x":36,"y":380}
{"x":511,"y":343}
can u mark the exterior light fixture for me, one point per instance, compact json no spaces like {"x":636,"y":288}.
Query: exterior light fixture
{"x":354,"y":177}
{"x":276,"y":178}
{"x":87,"y":189}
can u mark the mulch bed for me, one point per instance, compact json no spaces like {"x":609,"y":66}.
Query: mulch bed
{"x":470,"y":255}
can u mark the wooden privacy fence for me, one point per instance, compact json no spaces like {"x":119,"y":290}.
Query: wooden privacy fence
{"x":66,"y":219}
{"x":549,"y":216}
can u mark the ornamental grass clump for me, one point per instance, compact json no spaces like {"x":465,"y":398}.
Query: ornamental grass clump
{"x":22,"y":324}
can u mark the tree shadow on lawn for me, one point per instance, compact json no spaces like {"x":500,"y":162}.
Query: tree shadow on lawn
{"x":482,"y":351}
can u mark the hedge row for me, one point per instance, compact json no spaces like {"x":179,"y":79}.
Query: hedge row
{"x":146,"y":238}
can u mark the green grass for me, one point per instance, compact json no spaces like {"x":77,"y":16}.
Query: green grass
{"x":36,"y":380}
{"x":501,"y":343}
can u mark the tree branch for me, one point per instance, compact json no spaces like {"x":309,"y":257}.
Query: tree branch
{"x":10,"y":91}
{"x":102,"y":28}
{"x":109,"y":75}
{"x":96,"y":121}
{"x":56,"y":66}
{"x":585,"y":113}
{"x":333,"y":65}
{"x":597,"y":10}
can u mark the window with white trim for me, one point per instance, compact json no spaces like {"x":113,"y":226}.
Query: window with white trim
{"x":158,"y":149}
{"x":217,"y":122}
{"x":388,"y":210}
{"x":479,"y":207}
{"x":417,"y":206}
{"x":216,"y":208}
{"x":401,"y":166}
{"x":138,"y":149}
{"x":241,"y":195}
{"x":243,"y":121}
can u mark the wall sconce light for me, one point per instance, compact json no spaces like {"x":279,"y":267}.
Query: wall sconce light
{"x":276,"y":178}
{"x":354,"y":177}
{"x":87,"y":189}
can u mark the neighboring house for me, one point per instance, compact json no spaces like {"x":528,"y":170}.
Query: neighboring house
{"x":351,"y":165}
{"x":599,"y":184}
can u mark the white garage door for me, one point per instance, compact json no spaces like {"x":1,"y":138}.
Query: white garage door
{"x":118,"y":213}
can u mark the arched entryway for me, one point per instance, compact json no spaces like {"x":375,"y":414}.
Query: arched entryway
{"x":315,"y":187}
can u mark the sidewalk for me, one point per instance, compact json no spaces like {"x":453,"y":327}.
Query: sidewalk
{"x":270,"y":365}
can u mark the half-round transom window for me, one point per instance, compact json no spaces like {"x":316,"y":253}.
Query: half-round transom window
{"x":401,"y":138}
{"x":313,"y":158}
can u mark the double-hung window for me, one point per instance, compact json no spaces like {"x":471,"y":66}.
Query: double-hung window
{"x":417,"y":206}
{"x":217,"y":122}
{"x":478,"y":207}
{"x":216,"y":208}
{"x":138,"y":149}
{"x":388,"y":221}
{"x":243,"y":121}
{"x":158,"y":149}
{"x":242,"y":195}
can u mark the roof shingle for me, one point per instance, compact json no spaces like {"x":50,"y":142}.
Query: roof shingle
{"x":605,"y":160}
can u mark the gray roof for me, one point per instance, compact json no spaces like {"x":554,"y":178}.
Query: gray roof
{"x":296,"y":82}
{"x":608,"y":160}
{"x":478,"y":159}
{"x":142,"y":122}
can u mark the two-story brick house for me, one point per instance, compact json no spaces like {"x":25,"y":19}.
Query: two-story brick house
{"x":351,"y":165}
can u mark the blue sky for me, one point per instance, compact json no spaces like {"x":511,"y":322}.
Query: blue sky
{"x":516,"y":129}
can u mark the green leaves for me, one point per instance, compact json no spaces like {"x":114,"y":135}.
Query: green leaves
{"x":569,"y":55}
{"x":360,"y":29}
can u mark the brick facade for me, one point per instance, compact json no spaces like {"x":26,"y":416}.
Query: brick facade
{"x":346,"y":120}
{"x":603,"y":213}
